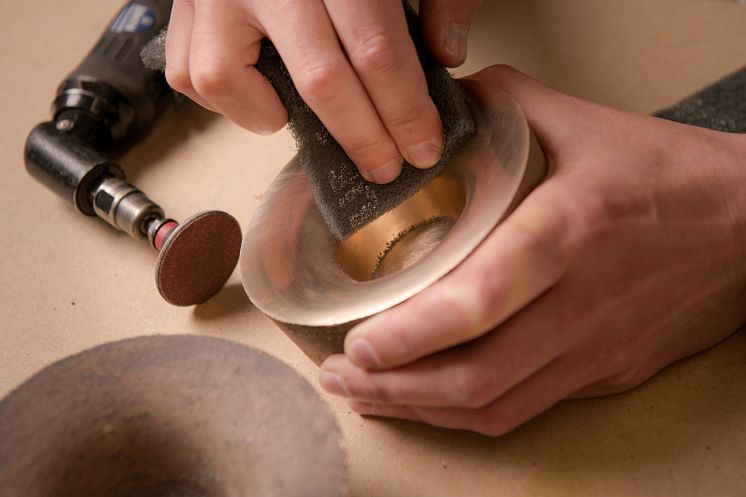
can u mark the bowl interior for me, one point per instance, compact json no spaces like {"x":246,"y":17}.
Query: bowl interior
{"x":405,"y":234}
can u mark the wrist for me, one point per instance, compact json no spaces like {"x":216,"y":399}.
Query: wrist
{"x":736,"y":191}
{"x":707,"y":180}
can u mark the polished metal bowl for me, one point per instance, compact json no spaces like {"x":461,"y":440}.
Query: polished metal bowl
{"x":316,"y":287}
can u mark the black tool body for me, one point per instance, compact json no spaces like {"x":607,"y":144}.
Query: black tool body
{"x":102,"y":108}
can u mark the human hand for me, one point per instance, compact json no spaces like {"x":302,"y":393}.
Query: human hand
{"x":627,"y":258}
{"x":354,"y":63}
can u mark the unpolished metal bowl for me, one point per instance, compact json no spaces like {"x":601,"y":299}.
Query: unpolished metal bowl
{"x":166,"y":416}
{"x":316,"y":287}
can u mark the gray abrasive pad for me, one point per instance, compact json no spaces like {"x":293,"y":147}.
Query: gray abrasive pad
{"x":720,"y":106}
{"x":153,"y":54}
{"x":345,"y":199}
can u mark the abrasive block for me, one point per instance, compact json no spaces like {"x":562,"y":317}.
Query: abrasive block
{"x":346,"y":200}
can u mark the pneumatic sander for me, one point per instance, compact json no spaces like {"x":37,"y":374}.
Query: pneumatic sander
{"x":108,"y":103}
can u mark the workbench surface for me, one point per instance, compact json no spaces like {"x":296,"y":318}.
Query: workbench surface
{"x":70,"y":282}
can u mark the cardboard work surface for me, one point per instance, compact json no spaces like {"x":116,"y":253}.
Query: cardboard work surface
{"x":69,"y":282}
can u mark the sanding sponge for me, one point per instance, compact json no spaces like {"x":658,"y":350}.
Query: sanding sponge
{"x":345,"y":199}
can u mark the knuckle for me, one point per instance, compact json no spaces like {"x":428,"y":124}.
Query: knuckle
{"x":623,"y":381}
{"x":378,"y":392}
{"x":178,"y":78}
{"x":416,"y":415}
{"x":463,"y":303}
{"x":621,"y":365}
{"x":594,"y":367}
{"x":543,"y":244}
{"x":375,"y":53}
{"x":493,"y":424}
{"x":369,"y":151}
{"x":318,"y":81}
{"x":473,"y":389}
{"x":406,"y":345}
{"x":536,"y":241}
{"x":624,"y":355}
{"x":210,"y":80}
{"x":491,"y":293}
{"x":367,"y":388}
{"x":622,"y":358}
{"x":597,"y":212}
{"x":408,"y":121}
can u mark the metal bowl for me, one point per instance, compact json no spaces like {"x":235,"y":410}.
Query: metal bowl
{"x":169,"y":415}
{"x":316,"y":287}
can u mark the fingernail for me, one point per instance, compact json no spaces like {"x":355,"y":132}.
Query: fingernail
{"x":332,"y":383}
{"x":423,"y":155}
{"x":456,"y":37}
{"x":362,"y":354}
{"x":385,"y":173}
{"x":363,"y":408}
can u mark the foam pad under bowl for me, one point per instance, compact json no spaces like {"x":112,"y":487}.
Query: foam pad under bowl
{"x":316,"y":287}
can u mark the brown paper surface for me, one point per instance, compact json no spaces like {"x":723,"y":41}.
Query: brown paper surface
{"x":68,"y":282}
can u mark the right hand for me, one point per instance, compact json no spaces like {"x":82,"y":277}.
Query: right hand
{"x":352,"y":62}
{"x":628,"y":257}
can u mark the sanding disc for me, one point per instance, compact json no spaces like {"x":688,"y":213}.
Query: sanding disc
{"x":169,"y":415}
{"x":198,"y":258}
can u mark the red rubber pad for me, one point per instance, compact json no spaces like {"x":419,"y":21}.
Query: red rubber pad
{"x":163,"y":233}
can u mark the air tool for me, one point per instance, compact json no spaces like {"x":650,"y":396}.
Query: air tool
{"x":105,"y":106}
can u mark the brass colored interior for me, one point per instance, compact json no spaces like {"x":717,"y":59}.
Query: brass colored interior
{"x":405,"y":234}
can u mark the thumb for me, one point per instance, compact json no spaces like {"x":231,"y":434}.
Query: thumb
{"x":445,"y":25}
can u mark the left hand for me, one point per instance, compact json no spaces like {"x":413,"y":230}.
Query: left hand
{"x":630,"y":256}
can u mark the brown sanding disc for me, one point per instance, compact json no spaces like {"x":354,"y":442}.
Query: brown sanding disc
{"x":169,"y":416}
{"x":198,"y":258}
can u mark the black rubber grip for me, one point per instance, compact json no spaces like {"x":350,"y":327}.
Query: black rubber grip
{"x":127,"y":94}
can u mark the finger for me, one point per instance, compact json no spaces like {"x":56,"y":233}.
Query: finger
{"x":330,"y":86}
{"x":178,"y":41}
{"x":377,"y":42}
{"x":223,"y":50}
{"x":527,"y":400}
{"x":621,"y":382}
{"x":520,"y":260}
{"x":472,"y":376}
{"x":445,"y":27}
